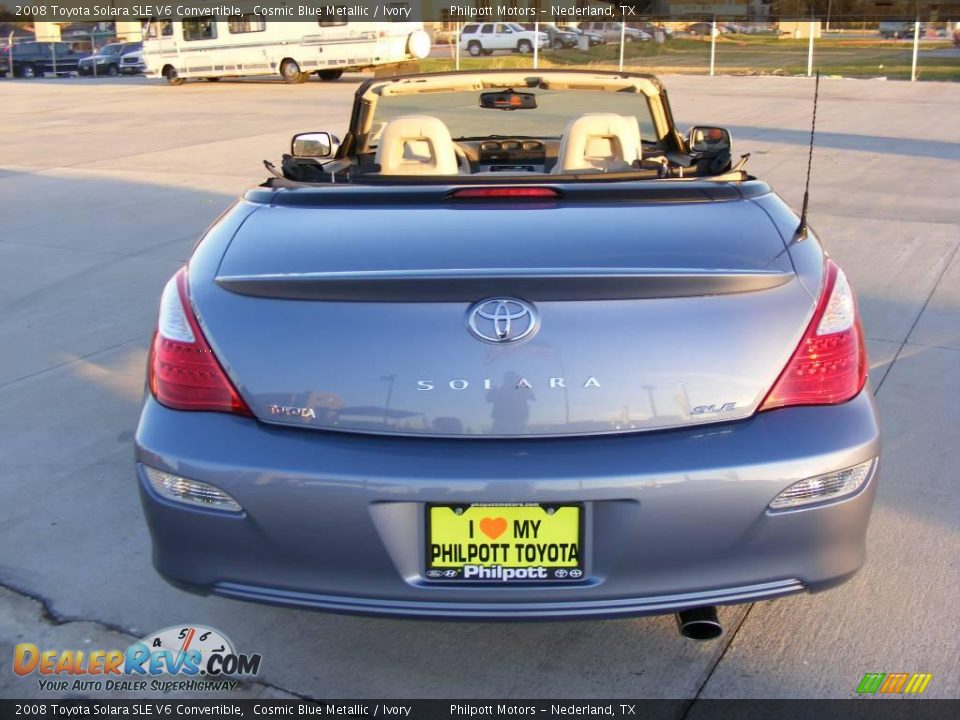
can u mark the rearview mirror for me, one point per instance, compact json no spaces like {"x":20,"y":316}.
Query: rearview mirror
{"x":314,"y":145}
{"x":508,"y":100}
{"x":704,"y":139}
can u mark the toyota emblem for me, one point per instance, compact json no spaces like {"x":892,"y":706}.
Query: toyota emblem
{"x":502,"y":320}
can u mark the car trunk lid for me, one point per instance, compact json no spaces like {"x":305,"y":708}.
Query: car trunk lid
{"x":649,"y":316}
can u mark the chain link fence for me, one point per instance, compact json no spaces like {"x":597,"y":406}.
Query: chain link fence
{"x":746,"y":50}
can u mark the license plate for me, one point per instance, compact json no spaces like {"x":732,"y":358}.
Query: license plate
{"x":505,"y":543}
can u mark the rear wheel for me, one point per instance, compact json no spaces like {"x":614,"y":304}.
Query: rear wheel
{"x":212,"y":79}
{"x":291,"y":73}
{"x":557,"y":44}
{"x":524,"y":47}
{"x":113,"y":70}
{"x":28,"y":71}
{"x":170,"y":73}
{"x":330,"y":75}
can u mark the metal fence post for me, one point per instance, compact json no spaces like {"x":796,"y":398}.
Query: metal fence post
{"x":810,"y":51}
{"x":713,"y":45}
{"x":10,"y":53}
{"x":536,"y":45}
{"x":623,"y":40}
{"x":916,"y":46}
{"x":457,"y":44}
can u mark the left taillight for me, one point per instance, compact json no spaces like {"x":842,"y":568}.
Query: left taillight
{"x":829,"y":365}
{"x":183,"y":373}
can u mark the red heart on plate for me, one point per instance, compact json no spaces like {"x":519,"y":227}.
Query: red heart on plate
{"x":493,"y":527}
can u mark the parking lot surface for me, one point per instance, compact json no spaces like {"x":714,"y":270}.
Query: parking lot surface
{"x":106,"y":184}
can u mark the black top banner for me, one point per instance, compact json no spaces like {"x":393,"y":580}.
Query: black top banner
{"x":563,"y":11}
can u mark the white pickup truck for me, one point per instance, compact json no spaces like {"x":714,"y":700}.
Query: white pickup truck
{"x":483,"y":38}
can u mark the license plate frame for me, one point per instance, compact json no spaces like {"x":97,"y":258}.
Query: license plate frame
{"x":567,"y":570}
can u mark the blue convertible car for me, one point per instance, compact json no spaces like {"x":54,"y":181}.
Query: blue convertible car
{"x":513,"y":347}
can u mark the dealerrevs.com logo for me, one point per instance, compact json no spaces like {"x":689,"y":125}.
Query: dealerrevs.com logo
{"x":181,"y":658}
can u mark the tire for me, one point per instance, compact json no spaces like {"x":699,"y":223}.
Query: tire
{"x":330,"y":75}
{"x":291,"y":73}
{"x":474,"y":48}
{"x":28,"y":71}
{"x":113,"y":70}
{"x":557,"y":44}
{"x":170,"y":73}
{"x":524,"y":47}
{"x":212,"y":79}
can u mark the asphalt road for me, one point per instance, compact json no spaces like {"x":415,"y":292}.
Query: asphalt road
{"x":106,"y":184}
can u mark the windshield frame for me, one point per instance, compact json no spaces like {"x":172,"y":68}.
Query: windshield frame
{"x":369,"y":93}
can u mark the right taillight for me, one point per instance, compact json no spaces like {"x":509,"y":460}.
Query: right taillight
{"x":183,"y":373}
{"x":829,"y":365}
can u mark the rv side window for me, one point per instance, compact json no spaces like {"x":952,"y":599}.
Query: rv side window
{"x":165,"y":29}
{"x":333,"y":14}
{"x":202,"y":28}
{"x":247,"y":23}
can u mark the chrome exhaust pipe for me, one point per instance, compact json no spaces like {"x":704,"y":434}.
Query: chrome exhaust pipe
{"x":699,"y":623}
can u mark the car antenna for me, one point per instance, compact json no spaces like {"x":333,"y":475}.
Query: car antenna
{"x":801,"y":233}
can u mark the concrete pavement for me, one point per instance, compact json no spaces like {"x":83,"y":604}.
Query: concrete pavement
{"x":106,"y":184}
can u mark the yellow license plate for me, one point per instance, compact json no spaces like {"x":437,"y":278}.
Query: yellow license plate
{"x":504,"y":543}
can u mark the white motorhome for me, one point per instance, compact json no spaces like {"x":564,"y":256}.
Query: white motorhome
{"x":212,"y":48}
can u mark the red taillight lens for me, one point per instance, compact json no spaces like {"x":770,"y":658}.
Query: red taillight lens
{"x":501,"y":192}
{"x":183,"y":373}
{"x":830,"y":364}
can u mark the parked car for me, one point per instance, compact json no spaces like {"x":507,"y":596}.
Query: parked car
{"x":899,"y":30}
{"x":485,"y":38}
{"x":649,"y":28}
{"x":557,"y":38}
{"x":702,"y":28}
{"x":610,"y":32}
{"x":516,"y":350}
{"x":108,"y":60}
{"x":34,"y":59}
{"x":131,"y":62}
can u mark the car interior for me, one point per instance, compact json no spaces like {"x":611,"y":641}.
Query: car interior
{"x":422,"y":145}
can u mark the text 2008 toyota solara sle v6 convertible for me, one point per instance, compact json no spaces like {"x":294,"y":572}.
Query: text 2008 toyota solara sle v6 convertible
{"x":513,"y":348}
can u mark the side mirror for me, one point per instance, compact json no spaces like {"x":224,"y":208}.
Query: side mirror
{"x":314,"y":145}
{"x":712,"y":140}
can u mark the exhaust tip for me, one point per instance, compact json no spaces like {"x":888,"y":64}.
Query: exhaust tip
{"x":699,"y":623}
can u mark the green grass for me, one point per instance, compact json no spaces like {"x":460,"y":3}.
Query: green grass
{"x":740,"y":55}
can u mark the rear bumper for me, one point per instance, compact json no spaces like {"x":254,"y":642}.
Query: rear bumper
{"x":674,"y":519}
